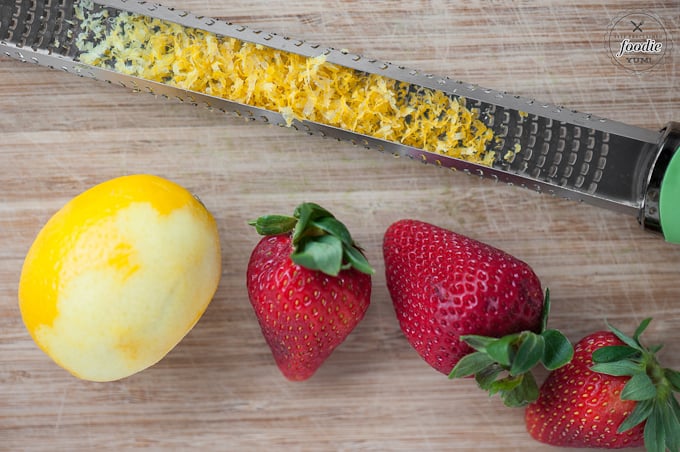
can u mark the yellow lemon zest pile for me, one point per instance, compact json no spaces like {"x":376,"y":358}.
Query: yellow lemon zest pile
{"x":297,"y":87}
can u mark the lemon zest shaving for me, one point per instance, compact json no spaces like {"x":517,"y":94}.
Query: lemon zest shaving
{"x":297,"y":87}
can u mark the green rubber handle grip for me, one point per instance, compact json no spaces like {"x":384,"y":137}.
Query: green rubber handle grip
{"x":669,"y":201}
{"x":669,"y":193}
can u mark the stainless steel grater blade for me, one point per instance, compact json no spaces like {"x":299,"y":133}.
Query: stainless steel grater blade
{"x":540,"y":146}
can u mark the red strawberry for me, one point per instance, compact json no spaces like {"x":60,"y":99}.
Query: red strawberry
{"x":578,"y":407}
{"x":309,"y":285}
{"x":625,"y":400}
{"x":444,"y":285}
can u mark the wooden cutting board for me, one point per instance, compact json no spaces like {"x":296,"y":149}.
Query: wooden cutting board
{"x":219,"y":389}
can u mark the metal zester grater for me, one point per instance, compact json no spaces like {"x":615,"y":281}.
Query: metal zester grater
{"x":563,"y":153}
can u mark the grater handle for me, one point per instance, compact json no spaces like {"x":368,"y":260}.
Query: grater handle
{"x":661,"y":209}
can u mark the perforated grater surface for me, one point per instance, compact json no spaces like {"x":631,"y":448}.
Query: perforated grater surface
{"x":539,"y":146}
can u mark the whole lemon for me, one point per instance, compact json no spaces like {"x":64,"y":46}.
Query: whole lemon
{"x":119,"y":275}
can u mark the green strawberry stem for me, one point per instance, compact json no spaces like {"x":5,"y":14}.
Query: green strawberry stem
{"x":504,"y":365}
{"x":320,"y":241}
{"x":650,"y":385}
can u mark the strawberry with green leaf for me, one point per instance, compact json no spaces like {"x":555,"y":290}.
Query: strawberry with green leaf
{"x":309,"y":284}
{"x":504,"y":365}
{"x":613,"y":394}
{"x":445,"y":285}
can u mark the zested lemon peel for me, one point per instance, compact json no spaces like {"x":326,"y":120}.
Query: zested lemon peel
{"x":119,"y":276}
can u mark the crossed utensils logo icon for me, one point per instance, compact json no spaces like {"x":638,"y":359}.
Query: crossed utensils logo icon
{"x":637,"y":26}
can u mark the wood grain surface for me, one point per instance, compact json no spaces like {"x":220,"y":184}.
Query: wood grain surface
{"x":219,"y":388}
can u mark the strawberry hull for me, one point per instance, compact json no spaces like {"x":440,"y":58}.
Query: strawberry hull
{"x":444,"y":285}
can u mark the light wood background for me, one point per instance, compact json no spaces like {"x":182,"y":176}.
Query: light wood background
{"x":219,"y":389}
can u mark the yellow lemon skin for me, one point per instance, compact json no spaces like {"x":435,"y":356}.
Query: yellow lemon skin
{"x":119,"y":275}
